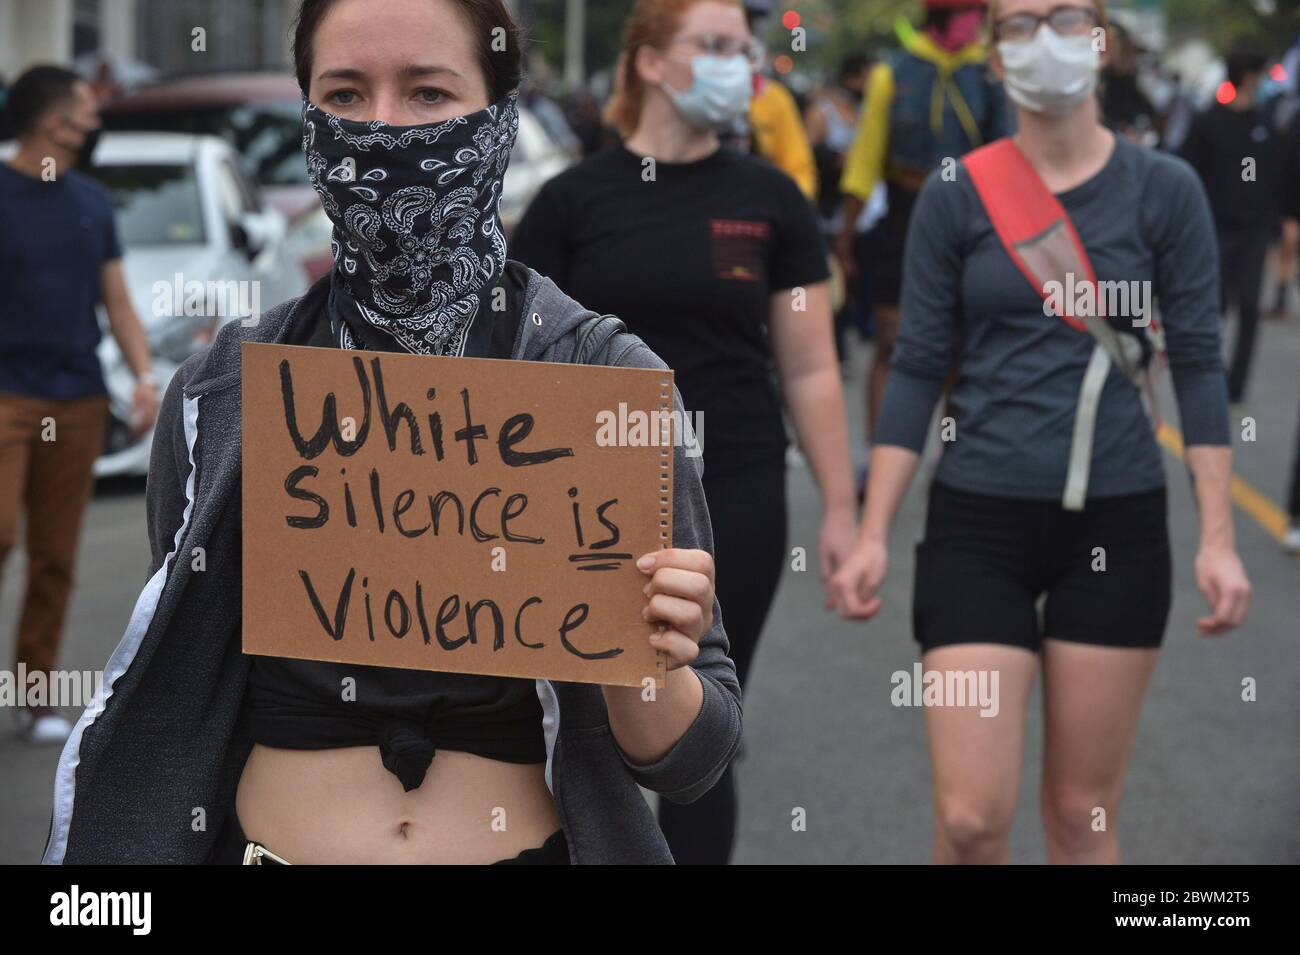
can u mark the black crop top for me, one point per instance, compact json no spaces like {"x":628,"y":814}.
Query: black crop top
{"x":408,"y":714}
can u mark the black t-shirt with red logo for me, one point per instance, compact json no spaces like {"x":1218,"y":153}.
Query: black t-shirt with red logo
{"x":689,"y":256}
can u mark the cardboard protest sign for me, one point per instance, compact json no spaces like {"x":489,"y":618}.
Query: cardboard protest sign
{"x":459,"y":514}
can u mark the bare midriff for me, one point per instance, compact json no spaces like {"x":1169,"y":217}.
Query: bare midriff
{"x":342,"y":806}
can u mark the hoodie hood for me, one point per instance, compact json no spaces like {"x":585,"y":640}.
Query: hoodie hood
{"x":548,"y":316}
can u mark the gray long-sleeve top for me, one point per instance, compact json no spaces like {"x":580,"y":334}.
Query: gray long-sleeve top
{"x":168,"y":734}
{"x":1143,"y":219}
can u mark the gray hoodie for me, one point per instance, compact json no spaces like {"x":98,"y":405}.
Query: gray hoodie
{"x":149,"y":773}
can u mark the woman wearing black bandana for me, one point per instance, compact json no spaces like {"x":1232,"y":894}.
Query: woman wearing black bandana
{"x":408,"y":122}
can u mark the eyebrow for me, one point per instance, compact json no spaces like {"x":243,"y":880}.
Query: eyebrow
{"x":412,"y":72}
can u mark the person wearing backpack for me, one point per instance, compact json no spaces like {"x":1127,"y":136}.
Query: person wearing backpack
{"x":929,"y":102}
{"x":1051,"y":483}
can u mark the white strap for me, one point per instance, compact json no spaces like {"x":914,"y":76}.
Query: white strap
{"x":1085,"y":425}
{"x":1124,"y":350}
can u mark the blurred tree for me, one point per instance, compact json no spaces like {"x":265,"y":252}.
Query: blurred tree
{"x":835,"y":28}
{"x":605,"y":19}
{"x":839,"y":27}
{"x":1271,"y":24}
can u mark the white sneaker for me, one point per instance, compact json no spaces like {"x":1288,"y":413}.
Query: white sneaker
{"x":44,"y":728}
{"x":1291,"y":539}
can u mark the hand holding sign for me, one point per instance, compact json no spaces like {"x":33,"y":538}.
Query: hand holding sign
{"x":461,"y":514}
{"x":680,"y":595}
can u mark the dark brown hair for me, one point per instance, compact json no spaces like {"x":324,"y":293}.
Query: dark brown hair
{"x":37,"y":92}
{"x":502,"y":68}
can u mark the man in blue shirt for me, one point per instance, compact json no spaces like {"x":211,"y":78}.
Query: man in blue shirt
{"x":59,"y":257}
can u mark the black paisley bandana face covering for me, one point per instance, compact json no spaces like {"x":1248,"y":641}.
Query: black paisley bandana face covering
{"x":417,"y":241}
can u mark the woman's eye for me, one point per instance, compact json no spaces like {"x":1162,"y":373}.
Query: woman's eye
{"x":430,"y":97}
{"x":336,"y":99}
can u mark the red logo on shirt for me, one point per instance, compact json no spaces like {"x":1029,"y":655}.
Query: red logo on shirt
{"x":739,"y":248}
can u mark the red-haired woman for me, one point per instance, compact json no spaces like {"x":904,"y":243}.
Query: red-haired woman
{"x":716,"y":259}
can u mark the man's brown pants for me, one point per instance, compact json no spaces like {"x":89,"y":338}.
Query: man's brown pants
{"x":47,"y":453}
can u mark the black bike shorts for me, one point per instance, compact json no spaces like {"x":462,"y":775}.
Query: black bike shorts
{"x":1105,"y":572}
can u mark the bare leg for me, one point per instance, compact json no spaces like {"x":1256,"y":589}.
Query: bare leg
{"x":976,"y":759}
{"x":1092,"y":697}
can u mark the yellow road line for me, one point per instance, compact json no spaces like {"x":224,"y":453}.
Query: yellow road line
{"x":1257,"y":505}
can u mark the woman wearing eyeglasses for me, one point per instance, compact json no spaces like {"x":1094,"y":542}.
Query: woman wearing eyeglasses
{"x":715,"y":259}
{"x":1010,"y":521}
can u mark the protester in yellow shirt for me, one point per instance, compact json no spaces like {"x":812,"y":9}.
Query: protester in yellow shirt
{"x":776,"y":128}
{"x":779,"y":135}
{"x":931,"y":100}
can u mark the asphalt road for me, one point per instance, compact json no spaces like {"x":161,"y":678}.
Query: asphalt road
{"x":1212,"y":779}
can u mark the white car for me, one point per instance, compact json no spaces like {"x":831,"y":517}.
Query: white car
{"x":188,"y":219}
{"x":535,"y":159}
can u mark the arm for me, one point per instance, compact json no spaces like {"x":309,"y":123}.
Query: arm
{"x":1220,"y":575}
{"x":787,"y":147}
{"x":931,"y":306}
{"x":1211,"y":470}
{"x":1181,"y":231}
{"x":864,"y":166}
{"x":678,"y":743}
{"x":796,"y":150}
{"x":810,"y":380}
{"x":130,"y":336}
{"x":647,"y":730}
{"x":854,"y":590}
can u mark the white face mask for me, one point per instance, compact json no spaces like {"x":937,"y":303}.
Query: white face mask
{"x":1050,"y":73}
{"x":719,"y":93}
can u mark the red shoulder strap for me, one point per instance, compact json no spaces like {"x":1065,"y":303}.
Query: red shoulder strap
{"x":1040,"y":238}
{"x":1027,"y":218}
